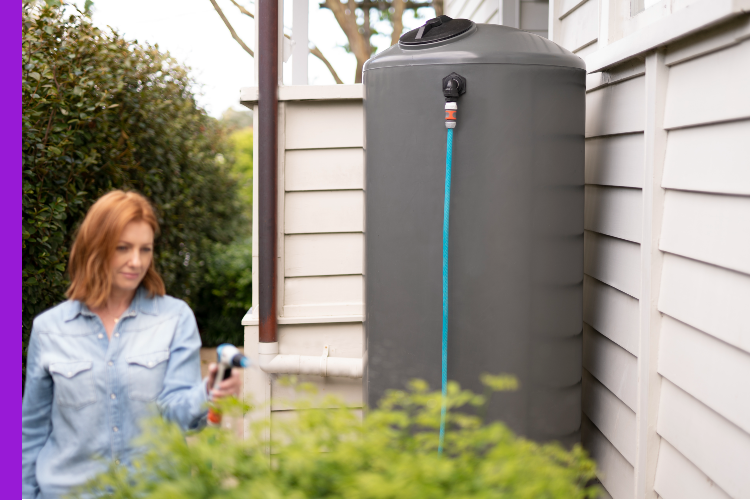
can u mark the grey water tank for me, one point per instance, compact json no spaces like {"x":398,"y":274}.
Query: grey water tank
{"x":516,"y":222}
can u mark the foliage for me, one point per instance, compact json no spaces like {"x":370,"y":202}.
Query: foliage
{"x":334,"y":454}
{"x":100,"y":113}
{"x":242,"y":167}
{"x":227,"y":293}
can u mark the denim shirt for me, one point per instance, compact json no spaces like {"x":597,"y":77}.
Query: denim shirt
{"x":85,"y":394}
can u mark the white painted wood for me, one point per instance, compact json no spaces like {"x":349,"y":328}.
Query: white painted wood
{"x":288,"y":397}
{"x":300,"y":52}
{"x":708,"y":41}
{"x":324,"y":212}
{"x":615,"y":160}
{"x":625,"y":71}
{"x":612,"y":365}
{"x":613,"y":470}
{"x":712,"y":228}
{"x":324,"y":296}
{"x":534,"y":15}
{"x":614,"y":211}
{"x":565,"y":7}
{"x":715,"y":158}
{"x":588,"y":49}
{"x":324,"y":169}
{"x":256,"y":383}
{"x":669,"y":29}
{"x":613,"y":261}
{"x":718,"y":79}
{"x":710,"y":370}
{"x":580,"y":27}
{"x":323,"y":254}
{"x":612,"y":313}
{"x":249,"y":95}
{"x":616,"y":109}
{"x":280,"y":202}
{"x":651,"y":267}
{"x":717,"y":447}
{"x":610,"y":415}
{"x":707,"y":297}
{"x":317,"y":125}
{"x":343,"y":340}
{"x":308,"y":320}
{"x":677,"y":477}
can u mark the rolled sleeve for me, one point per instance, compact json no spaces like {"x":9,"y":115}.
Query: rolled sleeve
{"x":184,"y":398}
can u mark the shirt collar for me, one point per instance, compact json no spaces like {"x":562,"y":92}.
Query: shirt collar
{"x":141,"y":303}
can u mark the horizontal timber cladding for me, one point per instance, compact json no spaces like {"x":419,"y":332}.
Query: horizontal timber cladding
{"x":612,"y":313}
{"x":323,"y":254}
{"x":324,"y":296}
{"x":614,"y":211}
{"x":329,"y":124}
{"x":324,"y":212}
{"x":710,"y":298}
{"x":613,"y":469}
{"x":710,"y":158}
{"x":712,"y":228}
{"x":324,"y":169}
{"x":610,"y":415}
{"x":710,"y":370}
{"x":615,"y":160}
{"x":616,"y":109}
{"x":677,"y":477}
{"x":613,"y":261}
{"x":716,"y":446}
{"x":708,"y":89}
{"x":580,"y":27}
{"x":612,"y":365}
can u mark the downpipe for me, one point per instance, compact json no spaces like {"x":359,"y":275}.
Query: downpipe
{"x":270,"y":361}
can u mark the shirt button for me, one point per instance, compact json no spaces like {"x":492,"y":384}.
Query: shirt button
{"x":110,"y":363}
{"x":117,"y":334}
{"x":113,"y":396}
{"x":100,"y":336}
{"x":150,"y":363}
{"x":70,"y":374}
{"x":115,"y":429}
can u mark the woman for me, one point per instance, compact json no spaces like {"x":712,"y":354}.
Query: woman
{"x":107,"y":357}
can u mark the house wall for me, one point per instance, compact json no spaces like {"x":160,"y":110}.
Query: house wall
{"x":528,"y":15}
{"x":320,"y":242}
{"x":666,"y":361}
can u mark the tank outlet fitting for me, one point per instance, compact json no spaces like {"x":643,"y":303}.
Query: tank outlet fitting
{"x":454,"y":86}
{"x":451,"y":112}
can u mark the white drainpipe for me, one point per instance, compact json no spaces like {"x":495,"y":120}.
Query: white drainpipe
{"x":291,"y":364}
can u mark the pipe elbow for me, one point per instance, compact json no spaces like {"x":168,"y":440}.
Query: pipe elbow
{"x":270,"y":361}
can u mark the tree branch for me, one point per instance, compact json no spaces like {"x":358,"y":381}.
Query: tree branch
{"x":398,"y":21}
{"x":317,"y":53}
{"x":231,"y":29}
{"x":243,"y":9}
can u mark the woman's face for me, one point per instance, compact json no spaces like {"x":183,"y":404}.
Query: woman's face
{"x":132,"y":256}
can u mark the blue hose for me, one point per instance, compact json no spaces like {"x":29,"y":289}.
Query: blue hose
{"x":446,"y":223}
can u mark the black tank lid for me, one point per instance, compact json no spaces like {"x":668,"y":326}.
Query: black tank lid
{"x":435,"y":30}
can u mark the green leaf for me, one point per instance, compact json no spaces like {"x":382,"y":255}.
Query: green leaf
{"x":35,"y":75}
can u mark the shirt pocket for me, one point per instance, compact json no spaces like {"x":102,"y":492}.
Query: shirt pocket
{"x":146,"y":375}
{"x":74,"y":383}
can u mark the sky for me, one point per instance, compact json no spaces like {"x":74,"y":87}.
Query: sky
{"x":194,"y":34}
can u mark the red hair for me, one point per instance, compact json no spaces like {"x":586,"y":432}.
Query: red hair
{"x":95,"y":244}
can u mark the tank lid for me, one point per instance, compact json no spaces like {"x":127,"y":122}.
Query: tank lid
{"x":436,"y":30}
{"x":478,"y":44}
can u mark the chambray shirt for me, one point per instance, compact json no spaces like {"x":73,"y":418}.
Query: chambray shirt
{"x":86,"y":395}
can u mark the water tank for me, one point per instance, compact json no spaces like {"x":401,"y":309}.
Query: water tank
{"x":516,"y":220}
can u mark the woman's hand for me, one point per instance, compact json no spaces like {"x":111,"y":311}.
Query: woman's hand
{"x":228,"y":387}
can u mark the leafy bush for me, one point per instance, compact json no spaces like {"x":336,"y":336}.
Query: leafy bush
{"x":226,"y":295}
{"x":334,"y":454}
{"x":99,"y":113}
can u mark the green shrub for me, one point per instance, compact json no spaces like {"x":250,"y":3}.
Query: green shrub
{"x":333,"y":454}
